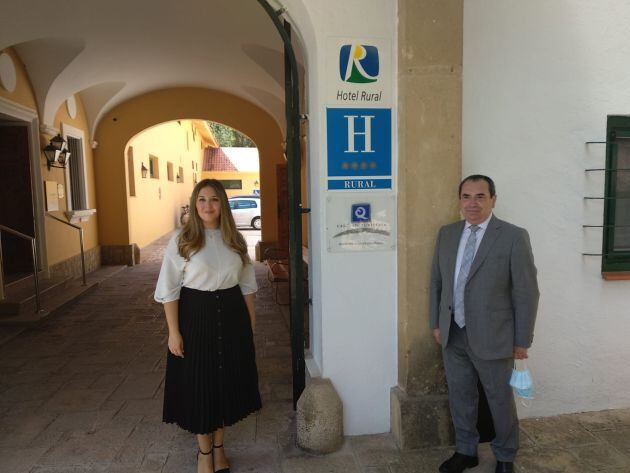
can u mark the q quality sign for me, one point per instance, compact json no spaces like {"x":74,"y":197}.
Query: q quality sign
{"x":360,"y":213}
{"x":360,"y":222}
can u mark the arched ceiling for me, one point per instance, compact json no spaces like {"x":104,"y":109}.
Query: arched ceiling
{"x":111,"y":51}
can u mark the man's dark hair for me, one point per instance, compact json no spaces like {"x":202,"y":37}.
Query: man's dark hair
{"x":478,"y":177}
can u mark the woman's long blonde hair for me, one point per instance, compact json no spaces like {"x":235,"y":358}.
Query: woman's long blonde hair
{"x":192,"y":237}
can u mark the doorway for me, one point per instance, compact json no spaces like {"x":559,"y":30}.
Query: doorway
{"x":16,"y":199}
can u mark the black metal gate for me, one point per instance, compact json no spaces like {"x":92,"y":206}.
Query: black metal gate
{"x":296,"y":281}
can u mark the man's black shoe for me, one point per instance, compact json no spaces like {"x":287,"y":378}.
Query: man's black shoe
{"x":458,"y":463}
{"x":504,"y":467}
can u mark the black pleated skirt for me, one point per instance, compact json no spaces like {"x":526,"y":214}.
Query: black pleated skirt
{"x":216,"y":383}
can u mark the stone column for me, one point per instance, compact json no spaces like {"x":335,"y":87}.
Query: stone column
{"x":429,"y":137}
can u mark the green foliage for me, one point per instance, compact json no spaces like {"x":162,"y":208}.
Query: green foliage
{"x":229,"y":137}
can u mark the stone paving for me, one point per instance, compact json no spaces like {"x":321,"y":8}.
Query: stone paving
{"x":82,"y":392}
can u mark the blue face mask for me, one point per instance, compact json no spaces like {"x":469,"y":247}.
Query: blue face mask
{"x":522,"y":382}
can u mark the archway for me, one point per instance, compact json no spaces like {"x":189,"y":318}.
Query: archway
{"x":140,"y":113}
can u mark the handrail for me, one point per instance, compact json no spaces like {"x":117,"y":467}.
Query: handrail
{"x":16,"y":233}
{"x":80,"y":242}
{"x":38,"y":305}
{"x":63,"y":221}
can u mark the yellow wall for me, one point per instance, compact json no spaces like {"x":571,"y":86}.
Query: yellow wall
{"x":23,"y":93}
{"x":125,"y":121}
{"x":62,"y":241}
{"x":249,"y":179}
{"x":155,"y":209}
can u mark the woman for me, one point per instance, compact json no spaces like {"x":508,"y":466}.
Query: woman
{"x":207,"y":286}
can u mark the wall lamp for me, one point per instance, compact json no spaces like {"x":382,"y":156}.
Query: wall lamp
{"x":57,"y":154}
{"x":144,"y":171}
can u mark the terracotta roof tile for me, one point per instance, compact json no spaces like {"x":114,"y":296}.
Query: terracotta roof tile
{"x":214,"y":159}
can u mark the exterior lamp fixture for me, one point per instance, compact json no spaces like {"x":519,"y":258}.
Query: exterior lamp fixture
{"x":144,"y":171}
{"x":56,"y":152}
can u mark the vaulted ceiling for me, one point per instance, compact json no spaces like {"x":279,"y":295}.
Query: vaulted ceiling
{"x":110,"y":51}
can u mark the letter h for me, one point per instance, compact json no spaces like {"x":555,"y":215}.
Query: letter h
{"x":367,"y":122}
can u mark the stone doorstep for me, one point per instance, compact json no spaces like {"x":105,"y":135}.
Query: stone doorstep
{"x":20,"y":295}
{"x":72,"y":289}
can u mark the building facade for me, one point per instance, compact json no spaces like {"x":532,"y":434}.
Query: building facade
{"x":401,"y":99}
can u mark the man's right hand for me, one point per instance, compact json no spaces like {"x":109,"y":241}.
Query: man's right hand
{"x":436,"y":335}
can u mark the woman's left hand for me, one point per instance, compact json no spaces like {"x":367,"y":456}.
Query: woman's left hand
{"x":176,"y":344}
{"x":249,"y":302}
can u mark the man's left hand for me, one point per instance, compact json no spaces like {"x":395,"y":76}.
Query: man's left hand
{"x":520,"y":353}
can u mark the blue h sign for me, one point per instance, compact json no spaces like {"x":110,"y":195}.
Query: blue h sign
{"x":359,"y":141}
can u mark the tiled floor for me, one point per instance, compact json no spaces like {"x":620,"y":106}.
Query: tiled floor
{"x":82,"y":392}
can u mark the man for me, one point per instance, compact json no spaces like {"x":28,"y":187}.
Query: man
{"x":483,"y":302}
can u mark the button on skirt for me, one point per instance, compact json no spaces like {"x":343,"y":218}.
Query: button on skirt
{"x":216,"y":383}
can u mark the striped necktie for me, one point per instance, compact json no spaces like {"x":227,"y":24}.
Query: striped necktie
{"x":462,"y":277}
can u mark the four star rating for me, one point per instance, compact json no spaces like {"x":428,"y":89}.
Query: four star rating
{"x":362,"y":165}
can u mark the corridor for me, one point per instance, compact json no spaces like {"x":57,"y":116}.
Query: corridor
{"x":82,"y":393}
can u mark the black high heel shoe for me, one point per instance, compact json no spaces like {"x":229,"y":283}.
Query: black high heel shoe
{"x":222,"y":470}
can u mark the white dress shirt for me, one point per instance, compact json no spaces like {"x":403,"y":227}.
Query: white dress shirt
{"x":213,"y":267}
{"x":462,"y":243}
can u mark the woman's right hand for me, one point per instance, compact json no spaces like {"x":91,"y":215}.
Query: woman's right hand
{"x":176,"y":344}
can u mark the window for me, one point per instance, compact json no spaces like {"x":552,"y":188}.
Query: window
{"x":169,"y":171}
{"x":247,"y":204}
{"x":76,"y":171}
{"x":76,"y":182}
{"x":232,"y":183}
{"x":131,"y":173}
{"x":154,"y":168}
{"x":180,"y":175}
{"x":616,"y":241}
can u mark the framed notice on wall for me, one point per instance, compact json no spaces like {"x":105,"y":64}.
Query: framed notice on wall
{"x":52,"y":195}
{"x":360,"y":222}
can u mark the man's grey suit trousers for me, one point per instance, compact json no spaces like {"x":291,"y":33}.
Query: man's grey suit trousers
{"x":463,"y":369}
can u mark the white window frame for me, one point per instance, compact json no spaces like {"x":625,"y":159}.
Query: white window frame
{"x":70,"y":131}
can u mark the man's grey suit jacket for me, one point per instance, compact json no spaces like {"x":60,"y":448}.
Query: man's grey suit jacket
{"x":501,"y":294}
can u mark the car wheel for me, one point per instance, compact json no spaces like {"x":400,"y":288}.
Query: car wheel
{"x":256,"y":223}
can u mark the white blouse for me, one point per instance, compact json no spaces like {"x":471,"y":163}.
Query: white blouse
{"x":215,"y":266}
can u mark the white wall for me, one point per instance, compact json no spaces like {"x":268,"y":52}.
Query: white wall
{"x":539,"y":79}
{"x":354,"y":295}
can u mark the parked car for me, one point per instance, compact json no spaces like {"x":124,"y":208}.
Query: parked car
{"x":246,"y":210}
